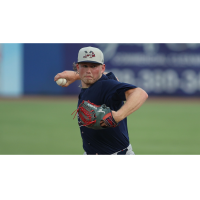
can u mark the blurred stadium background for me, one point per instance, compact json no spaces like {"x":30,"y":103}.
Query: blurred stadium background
{"x":35,"y":113}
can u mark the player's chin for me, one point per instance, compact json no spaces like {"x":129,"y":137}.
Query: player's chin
{"x":89,"y":81}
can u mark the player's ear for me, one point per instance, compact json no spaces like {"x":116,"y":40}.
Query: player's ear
{"x":77,"y":67}
{"x":103,"y":68}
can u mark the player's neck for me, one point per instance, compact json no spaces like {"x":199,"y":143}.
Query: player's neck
{"x":84,"y":86}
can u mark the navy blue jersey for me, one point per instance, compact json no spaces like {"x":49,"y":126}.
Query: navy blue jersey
{"x":112,"y":93}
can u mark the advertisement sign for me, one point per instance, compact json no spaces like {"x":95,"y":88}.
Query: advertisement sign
{"x":171,"y":69}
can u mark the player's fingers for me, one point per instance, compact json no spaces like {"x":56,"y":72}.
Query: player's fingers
{"x":67,"y":84}
{"x":102,"y":123}
{"x":57,"y":77}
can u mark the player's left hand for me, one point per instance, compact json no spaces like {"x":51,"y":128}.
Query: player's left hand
{"x":115,"y":117}
{"x":95,"y":117}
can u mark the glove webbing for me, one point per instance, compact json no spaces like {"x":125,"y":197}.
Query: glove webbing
{"x":87,"y":115}
{"x":85,"y":110}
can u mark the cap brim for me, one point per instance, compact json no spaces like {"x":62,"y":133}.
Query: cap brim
{"x":89,"y":61}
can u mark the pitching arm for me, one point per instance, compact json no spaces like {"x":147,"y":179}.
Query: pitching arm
{"x":70,"y":76}
{"x":134,"y":99}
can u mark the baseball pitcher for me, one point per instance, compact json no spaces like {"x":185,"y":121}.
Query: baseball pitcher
{"x":101,"y":111}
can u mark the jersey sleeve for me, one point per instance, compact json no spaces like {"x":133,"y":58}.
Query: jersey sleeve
{"x":115,"y":90}
{"x":110,"y":75}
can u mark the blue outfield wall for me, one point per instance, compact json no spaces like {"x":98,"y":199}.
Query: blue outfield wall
{"x":41,"y":63}
{"x":160,"y":69}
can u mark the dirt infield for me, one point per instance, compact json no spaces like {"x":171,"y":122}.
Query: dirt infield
{"x":75,"y":98}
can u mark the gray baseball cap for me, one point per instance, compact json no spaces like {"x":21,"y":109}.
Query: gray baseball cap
{"x":90,"y":54}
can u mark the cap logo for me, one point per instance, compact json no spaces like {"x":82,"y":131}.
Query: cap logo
{"x":90,"y":54}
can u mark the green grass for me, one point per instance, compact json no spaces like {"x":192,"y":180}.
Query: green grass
{"x":166,"y":129}
{"x":38,"y":127}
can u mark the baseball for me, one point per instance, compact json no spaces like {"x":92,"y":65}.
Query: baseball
{"x":61,"y":81}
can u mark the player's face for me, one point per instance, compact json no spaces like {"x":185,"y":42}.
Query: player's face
{"x":90,"y":72}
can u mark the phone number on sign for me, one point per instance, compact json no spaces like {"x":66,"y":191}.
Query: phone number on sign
{"x":160,"y":81}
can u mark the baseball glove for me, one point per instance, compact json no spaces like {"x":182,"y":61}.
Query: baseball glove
{"x":92,"y":116}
